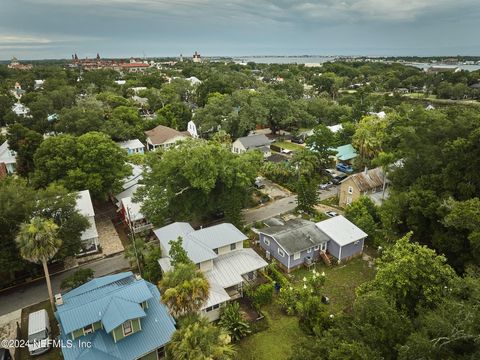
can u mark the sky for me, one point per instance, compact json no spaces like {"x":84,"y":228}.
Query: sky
{"x":40,"y":29}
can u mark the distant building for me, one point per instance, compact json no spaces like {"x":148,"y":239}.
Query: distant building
{"x":197,"y":58}
{"x":368,"y":183}
{"x":134,"y":146}
{"x":164,"y":137}
{"x":16,"y":65}
{"x":254,"y":142}
{"x":20,"y":109}
{"x":192,"y":129}
{"x":436,"y":69}
{"x":345,"y":153}
{"x":8,"y":159}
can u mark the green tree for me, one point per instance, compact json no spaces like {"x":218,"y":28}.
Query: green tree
{"x":200,"y":340}
{"x":92,"y":161}
{"x":78,"y":278}
{"x":363,"y":213}
{"x":184,"y":289}
{"x":307,"y":196}
{"x":233,"y":320}
{"x":177,"y":252}
{"x":24,"y":142}
{"x":38,"y":242}
{"x":411,"y":275}
{"x":369,"y":137}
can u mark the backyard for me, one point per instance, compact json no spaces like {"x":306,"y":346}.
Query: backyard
{"x":277,"y":340}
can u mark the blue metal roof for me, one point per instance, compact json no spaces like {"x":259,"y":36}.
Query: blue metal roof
{"x":88,"y":303}
{"x":120,"y":310}
{"x":157,"y":328}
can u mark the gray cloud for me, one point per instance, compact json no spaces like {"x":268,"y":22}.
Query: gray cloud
{"x":168,"y":27}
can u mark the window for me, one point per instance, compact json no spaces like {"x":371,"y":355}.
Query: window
{"x":127,"y":327}
{"x":350,"y":190}
{"x":349,"y":200}
{"x":266,"y":241}
{"x":88,"y":329}
{"x":324,"y":246}
{"x":161,"y":352}
{"x":309,"y":250}
{"x":233,"y":246}
{"x":296,"y":255}
{"x":281,"y":252}
{"x":316,"y":248}
{"x":356,"y":242}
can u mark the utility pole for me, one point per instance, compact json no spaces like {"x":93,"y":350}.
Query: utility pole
{"x":132,"y":233}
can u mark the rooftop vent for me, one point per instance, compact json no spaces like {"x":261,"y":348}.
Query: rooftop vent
{"x":58,"y":299}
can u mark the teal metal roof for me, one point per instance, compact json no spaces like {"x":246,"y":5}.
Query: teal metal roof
{"x":346,"y":152}
{"x":89,"y":303}
{"x":157,"y":326}
{"x":120,"y":310}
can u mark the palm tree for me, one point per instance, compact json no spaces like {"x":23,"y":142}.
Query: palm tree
{"x":37,"y":242}
{"x":184,"y":289}
{"x":200,"y":340}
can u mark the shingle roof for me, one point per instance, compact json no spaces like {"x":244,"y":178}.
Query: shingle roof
{"x":373,"y":178}
{"x":296,"y":235}
{"x":162,"y":134}
{"x":254,"y":141}
{"x":157,"y":329}
{"x":130,"y":144}
{"x":341,"y":230}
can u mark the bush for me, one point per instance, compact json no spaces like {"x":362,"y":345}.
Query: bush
{"x":288,"y":298}
{"x":78,"y":278}
{"x":234,"y":322}
{"x":261,"y":296}
{"x":276,"y":275}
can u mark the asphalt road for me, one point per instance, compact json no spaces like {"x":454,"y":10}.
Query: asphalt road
{"x":37,"y":291}
{"x":279,"y":207}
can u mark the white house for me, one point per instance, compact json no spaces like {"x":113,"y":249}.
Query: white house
{"x":134,"y":146}
{"x":164,"y":137}
{"x":219,"y":253}
{"x":192,"y":129}
{"x":194,"y":80}
{"x":8,"y":157}
{"x":20,"y":109}
{"x":89,"y":237}
{"x":254,"y":142}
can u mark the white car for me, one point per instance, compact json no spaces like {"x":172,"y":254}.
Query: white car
{"x":331,"y":213}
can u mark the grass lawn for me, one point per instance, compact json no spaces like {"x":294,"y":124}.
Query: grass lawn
{"x":274,"y":343}
{"x":52,"y":354}
{"x":341,"y":281}
{"x":289,"y":145}
{"x":283,"y":332}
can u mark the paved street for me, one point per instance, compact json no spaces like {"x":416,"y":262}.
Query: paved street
{"x":36,"y":292}
{"x":279,"y":207}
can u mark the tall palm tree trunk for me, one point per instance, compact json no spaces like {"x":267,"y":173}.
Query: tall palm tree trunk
{"x":49,"y":284}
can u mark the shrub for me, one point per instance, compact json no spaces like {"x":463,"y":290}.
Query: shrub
{"x":276,"y":275}
{"x":261,"y":296}
{"x":234,"y":322}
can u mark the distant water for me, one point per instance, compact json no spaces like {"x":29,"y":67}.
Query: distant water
{"x":322,"y":59}
{"x":286,"y":59}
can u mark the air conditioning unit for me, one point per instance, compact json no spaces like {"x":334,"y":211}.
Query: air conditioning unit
{"x":267,"y":254}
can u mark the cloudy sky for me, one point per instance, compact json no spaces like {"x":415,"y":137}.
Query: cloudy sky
{"x":36,"y":29}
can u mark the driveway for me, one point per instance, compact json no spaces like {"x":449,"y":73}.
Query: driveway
{"x":274,"y":190}
{"x":33,"y":293}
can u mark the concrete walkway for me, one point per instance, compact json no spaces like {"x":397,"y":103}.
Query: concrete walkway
{"x":35,"y":292}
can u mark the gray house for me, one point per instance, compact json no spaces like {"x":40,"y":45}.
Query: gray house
{"x":299,"y":241}
{"x":253,"y":142}
{"x":293,"y":243}
{"x":346,"y":239}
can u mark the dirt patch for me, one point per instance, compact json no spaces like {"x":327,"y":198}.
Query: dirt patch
{"x":322,"y":208}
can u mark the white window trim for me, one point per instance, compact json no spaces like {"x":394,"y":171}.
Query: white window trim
{"x":316,"y":247}
{"x":131,"y":328}
{"x":90,"y":331}
{"x":281,"y":252}
{"x":309,"y":250}
{"x":350,"y":190}
{"x":324,"y":246}
{"x":296,"y":255}
{"x":266,"y":241}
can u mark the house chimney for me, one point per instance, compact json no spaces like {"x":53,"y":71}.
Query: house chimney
{"x":365,"y":171}
{"x":58,"y":299}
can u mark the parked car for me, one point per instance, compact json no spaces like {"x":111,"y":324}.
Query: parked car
{"x":298,"y":140}
{"x":331,"y":213}
{"x":344,"y":168}
{"x":38,"y":332}
{"x":259,"y":184}
{"x":331,"y":172}
{"x":326,"y":186}
{"x":338,"y":179}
